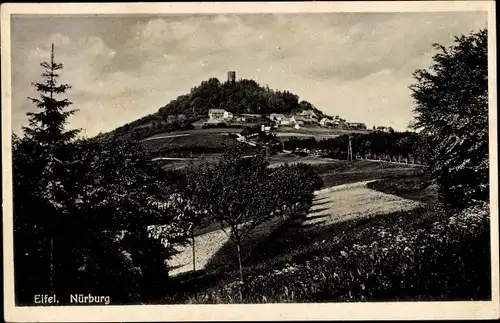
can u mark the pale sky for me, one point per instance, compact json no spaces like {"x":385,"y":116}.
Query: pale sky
{"x":356,"y":65}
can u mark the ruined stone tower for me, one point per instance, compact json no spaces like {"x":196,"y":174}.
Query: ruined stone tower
{"x":231,"y":76}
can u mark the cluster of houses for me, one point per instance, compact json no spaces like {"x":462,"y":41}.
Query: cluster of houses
{"x":296,"y":120}
{"x":306,"y":117}
{"x":383,"y":129}
{"x":293,"y":120}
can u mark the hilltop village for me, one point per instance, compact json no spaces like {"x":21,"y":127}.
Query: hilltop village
{"x":242,"y":104}
{"x":218,"y":117}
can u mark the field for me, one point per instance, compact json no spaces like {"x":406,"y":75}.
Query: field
{"x":378,"y":235}
{"x":338,"y":172}
{"x":207,"y":144}
{"x":190,"y":142}
{"x":199,"y":141}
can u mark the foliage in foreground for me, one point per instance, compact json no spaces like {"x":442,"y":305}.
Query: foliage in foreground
{"x":452,"y":110}
{"x":112,"y":231}
{"x":89,"y":215}
{"x":427,"y":256}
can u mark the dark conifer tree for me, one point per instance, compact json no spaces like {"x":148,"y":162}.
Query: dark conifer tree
{"x":47,"y":126}
{"x":40,"y":159}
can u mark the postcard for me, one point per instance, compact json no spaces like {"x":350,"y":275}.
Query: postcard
{"x":249,"y":161}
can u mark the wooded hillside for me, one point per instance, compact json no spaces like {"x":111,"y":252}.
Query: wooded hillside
{"x":242,"y":96}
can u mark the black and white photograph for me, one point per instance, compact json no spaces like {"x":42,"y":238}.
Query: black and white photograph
{"x":302,"y":160}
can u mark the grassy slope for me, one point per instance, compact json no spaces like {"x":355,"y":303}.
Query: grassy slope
{"x":194,"y":141}
{"x":416,"y":186}
{"x":401,"y":255}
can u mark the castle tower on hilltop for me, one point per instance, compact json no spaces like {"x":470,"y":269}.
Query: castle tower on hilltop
{"x":231,"y":76}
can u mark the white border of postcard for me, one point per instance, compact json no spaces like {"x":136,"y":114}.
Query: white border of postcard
{"x":339,"y":311}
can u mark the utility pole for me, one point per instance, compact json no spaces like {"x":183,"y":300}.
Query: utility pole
{"x":349,"y":150}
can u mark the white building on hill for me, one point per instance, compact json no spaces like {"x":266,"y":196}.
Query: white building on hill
{"x":326,"y":122}
{"x":276,"y":117}
{"x":300,"y":120}
{"x":219,"y":114}
{"x":287,"y":121}
{"x":385,"y":129}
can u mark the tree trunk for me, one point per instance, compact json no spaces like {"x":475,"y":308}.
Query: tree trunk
{"x":194,"y":252}
{"x":194,"y":261}
{"x":240,"y":267}
{"x":51,"y":263}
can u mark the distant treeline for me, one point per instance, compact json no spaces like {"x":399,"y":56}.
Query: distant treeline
{"x":243,"y":96}
{"x":374,"y":144}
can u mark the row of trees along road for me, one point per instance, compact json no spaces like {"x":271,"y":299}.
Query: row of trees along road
{"x":370,"y":145}
{"x":98,"y":216}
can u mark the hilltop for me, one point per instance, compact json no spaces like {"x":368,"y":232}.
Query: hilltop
{"x":238,"y":97}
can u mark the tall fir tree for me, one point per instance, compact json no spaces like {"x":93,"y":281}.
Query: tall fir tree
{"x":40,"y":160}
{"x":84,"y":209}
{"x":47,"y":126}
